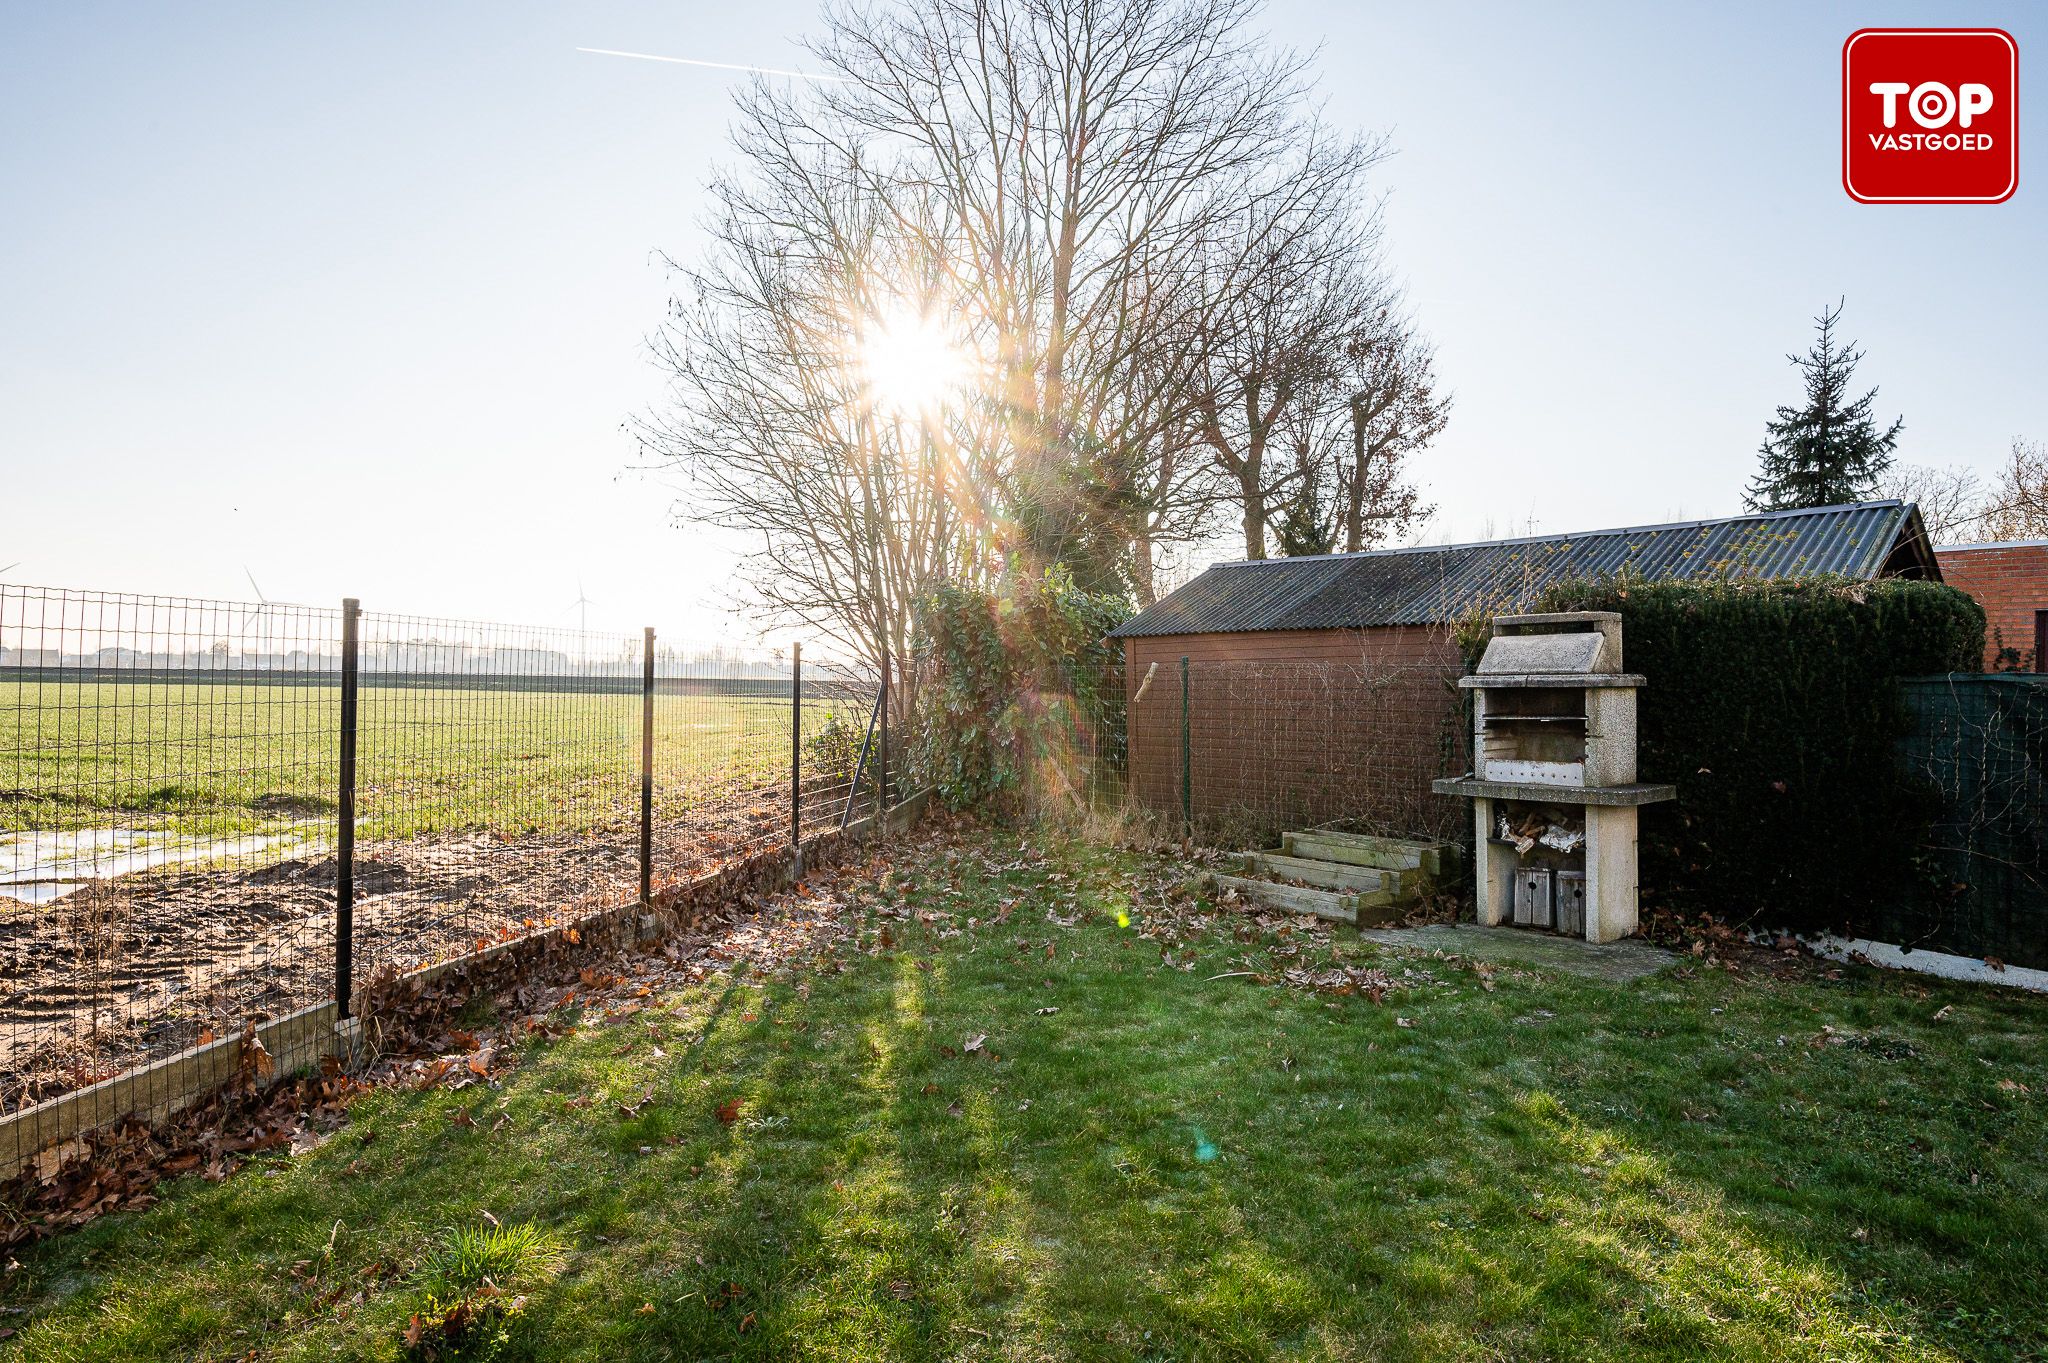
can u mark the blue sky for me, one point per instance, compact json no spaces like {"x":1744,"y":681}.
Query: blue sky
{"x":357,"y":295}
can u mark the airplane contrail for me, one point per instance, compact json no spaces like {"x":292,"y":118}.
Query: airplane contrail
{"x":716,"y":66}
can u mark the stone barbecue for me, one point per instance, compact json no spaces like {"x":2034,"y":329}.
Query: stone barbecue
{"x":1553,"y":786}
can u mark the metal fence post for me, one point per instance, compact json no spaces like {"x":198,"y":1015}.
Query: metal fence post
{"x":345,"y":818}
{"x":882,"y":747}
{"x":796,"y":755}
{"x":647,"y":768}
{"x":1187,"y":766}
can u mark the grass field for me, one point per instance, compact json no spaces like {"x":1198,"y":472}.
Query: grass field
{"x":213,"y":761}
{"x":1156,"y":1150}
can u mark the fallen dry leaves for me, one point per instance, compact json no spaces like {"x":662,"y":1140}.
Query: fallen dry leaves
{"x":547,"y":988}
{"x":731,"y":922}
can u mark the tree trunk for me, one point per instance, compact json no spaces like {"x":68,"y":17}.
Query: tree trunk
{"x":1141,"y":567}
{"x":1249,"y":481}
{"x":1354,"y":495}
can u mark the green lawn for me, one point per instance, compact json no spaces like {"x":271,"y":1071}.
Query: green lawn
{"x":215,"y":760}
{"x":1141,"y":1161}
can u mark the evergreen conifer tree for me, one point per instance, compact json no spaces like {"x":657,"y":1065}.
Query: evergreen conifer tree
{"x":1829,"y":450}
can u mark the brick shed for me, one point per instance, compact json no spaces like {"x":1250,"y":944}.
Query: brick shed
{"x":2010,"y":581}
{"x":1323,"y":690}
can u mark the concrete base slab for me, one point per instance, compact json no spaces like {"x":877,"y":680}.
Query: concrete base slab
{"x":1617,"y":961}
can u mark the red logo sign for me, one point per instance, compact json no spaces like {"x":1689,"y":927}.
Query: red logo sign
{"x":1930,"y":115}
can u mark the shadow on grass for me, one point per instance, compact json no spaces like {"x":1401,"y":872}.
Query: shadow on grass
{"x":1141,"y":1161}
{"x":1117,"y":1186}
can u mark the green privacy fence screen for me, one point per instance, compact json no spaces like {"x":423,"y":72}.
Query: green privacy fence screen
{"x":1981,"y":742}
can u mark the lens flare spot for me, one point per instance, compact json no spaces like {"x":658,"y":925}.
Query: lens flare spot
{"x":911,"y":365}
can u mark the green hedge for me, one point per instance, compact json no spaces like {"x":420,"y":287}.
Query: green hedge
{"x":1019,"y":691}
{"x":1775,"y":708}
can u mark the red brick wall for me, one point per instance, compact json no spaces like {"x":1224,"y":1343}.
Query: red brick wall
{"x":1291,"y":729}
{"x":2010,"y":581}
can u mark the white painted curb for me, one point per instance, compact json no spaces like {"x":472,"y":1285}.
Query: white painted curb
{"x":1923,"y":962}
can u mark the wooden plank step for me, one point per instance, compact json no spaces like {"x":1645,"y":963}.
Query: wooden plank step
{"x":1340,"y":908}
{"x":1359,"y":849}
{"x":1386,"y":915}
{"x":1329,"y":875}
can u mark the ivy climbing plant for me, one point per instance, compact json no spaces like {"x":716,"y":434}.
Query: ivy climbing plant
{"x":1021,"y":687}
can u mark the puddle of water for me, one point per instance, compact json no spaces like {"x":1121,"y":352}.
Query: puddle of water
{"x":41,"y":868}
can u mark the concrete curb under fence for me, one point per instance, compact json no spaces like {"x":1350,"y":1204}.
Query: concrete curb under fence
{"x":154,"y":1092}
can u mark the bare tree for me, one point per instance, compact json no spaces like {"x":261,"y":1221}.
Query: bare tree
{"x":1076,"y":151}
{"x":2018,"y":503}
{"x":1179,"y":493}
{"x":1286,"y":291}
{"x":854,"y":506}
{"x":1346,"y":437}
{"x":1092,"y":199}
{"x":1395,"y":410}
{"x":1951,"y":498}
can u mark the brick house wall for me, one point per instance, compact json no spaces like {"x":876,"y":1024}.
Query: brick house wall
{"x":1297,"y":728}
{"x":2010,"y":581}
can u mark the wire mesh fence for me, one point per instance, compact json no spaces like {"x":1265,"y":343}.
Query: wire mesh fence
{"x":215,"y":813}
{"x":1238,"y":752}
{"x":1979,"y":742}
{"x":1235,"y":752}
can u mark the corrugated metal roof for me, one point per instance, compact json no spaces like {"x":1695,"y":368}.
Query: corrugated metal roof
{"x":1432,"y":584}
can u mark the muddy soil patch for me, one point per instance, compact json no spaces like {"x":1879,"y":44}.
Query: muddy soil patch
{"x":137,"y":967}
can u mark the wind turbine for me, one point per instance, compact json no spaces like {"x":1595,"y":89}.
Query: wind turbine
{"x":581,"y":605}
{"x":261,"y":615}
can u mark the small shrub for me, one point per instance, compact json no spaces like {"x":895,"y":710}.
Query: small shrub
{"x":832,"y":753}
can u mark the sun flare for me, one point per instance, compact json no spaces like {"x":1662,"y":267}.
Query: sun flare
{"x":910,"y":365}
